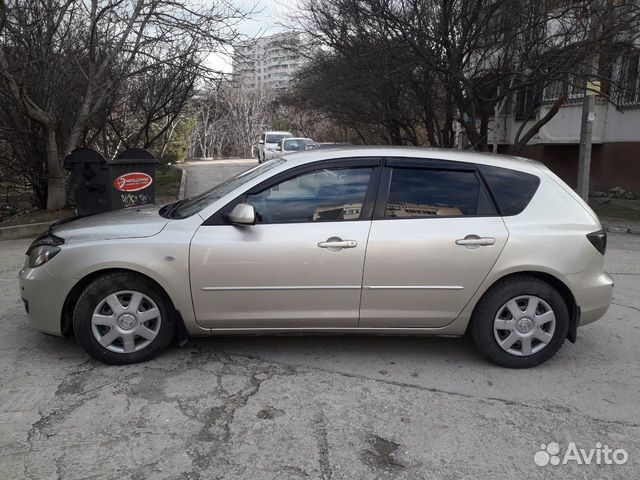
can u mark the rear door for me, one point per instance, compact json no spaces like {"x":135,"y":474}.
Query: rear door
{"x":434,"y":238}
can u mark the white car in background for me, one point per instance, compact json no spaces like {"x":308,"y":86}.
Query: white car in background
{"x":268,"y":143}
{"x":295,"y":144}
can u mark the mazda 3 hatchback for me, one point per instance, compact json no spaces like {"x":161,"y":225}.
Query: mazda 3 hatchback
{"x":378,"y":240}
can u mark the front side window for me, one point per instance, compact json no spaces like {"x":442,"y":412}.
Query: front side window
{"x":328,"y":194}
{"x":415,"y":193}
{"x":190,"y":206}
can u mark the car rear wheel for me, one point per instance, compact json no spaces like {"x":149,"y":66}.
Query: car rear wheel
{"x":520,"y":322}
{"x":122,"y":318}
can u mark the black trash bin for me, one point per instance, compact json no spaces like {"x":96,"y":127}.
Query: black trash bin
{"x":102,"y":185}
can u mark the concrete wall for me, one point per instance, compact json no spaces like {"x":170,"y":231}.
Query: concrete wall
{"x":622,"y":125}
{"x":616,"y":144}
{"x":610,"y":125}
{"x":615,"y":164}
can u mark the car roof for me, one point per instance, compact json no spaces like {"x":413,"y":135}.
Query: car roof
{"x":447,"y":154}
{"x":277,"y":132}
{"x":297,"y":138}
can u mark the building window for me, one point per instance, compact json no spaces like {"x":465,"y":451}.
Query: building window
{"x":528,"y":101}
{"x":628,"y":83}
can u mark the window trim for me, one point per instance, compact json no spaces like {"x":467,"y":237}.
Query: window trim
{"x":221,"y":216}
{"x":389,"y":163}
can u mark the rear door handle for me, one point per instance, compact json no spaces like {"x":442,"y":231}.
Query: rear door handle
{"x":336,"y":243}
{"x":474,"y":241}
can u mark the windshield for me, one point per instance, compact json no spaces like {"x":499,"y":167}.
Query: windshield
{"x":275,"y":138}
{"x":190,"y":206}
{"x":291,"y":145}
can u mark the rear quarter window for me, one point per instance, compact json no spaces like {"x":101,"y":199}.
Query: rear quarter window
{"x":512,"y":190}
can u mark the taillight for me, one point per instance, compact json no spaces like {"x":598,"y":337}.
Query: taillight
{"x":599,"y":240}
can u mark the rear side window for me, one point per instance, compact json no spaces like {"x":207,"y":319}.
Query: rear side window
{"x":415,"y":193}
{"x":512,"y":190}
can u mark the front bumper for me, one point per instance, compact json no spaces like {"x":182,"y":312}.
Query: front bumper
{"x":44,"y":297}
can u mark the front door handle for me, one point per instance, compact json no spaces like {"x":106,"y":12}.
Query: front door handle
{"x":475,"y":241}
{"x":336,"y":243}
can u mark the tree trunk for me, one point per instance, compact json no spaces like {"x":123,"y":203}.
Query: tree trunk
{"x":521,"y":142}
{"x":55,"y":175}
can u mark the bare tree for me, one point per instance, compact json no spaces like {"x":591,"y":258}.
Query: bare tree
{"x":462,"y":60}
{"x":65,"y":62}
{"x":148,"y":106}
{"x":230,"y":118}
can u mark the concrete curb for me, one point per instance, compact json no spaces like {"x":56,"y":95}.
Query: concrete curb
{"x":22,"y":231}
{"x":619,"y":229}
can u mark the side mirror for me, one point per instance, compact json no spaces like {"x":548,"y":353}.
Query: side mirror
{"x":260,"y":142}
{"x":243,"y":214}
{"x":279,"y":148}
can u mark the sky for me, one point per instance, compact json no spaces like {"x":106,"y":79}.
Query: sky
{"x":268,"y":18}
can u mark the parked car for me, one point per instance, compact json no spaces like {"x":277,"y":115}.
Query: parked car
{"x":380,"y":240}
{"x":267,"y":144}
{"x":294,"y":144}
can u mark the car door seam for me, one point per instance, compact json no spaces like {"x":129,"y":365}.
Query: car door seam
{"x":364,"y":263}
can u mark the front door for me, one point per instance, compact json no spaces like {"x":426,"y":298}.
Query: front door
{"x":299,"y":266}
{"x":433,"y":241}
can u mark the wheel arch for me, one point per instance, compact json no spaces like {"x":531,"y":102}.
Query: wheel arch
{"x":555,"y":282}
{"x":66,"y":317}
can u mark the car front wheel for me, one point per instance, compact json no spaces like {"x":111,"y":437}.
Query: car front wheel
{"x":520,"y":322}
{"x":122,"y":318}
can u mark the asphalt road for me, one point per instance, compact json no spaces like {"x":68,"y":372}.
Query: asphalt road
{"x":326,"y":407}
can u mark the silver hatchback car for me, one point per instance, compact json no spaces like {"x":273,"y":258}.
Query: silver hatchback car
{"x":380,"y":240}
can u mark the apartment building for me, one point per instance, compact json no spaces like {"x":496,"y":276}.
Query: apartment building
{"x":615,"y":158}
{"x":268,"y":61}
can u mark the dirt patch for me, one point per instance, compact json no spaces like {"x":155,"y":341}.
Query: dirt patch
{"x":269,"y":413}
{"x":37,"y":216}
{"x":381,"y":453}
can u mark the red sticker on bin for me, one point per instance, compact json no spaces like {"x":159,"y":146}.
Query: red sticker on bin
{"x":131,"y":182}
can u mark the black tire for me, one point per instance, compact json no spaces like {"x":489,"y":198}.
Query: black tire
{"x":481,"y":327}
{"x":115,"y":282}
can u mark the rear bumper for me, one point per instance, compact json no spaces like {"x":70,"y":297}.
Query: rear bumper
{"x":44,"y":297}
{"x":593,"y":292}
{"x":270,"y":154}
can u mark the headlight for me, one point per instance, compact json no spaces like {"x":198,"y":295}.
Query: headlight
{"x":41,"y":254}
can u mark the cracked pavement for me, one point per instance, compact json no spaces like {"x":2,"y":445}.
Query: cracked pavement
{"x":323,"y":407}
